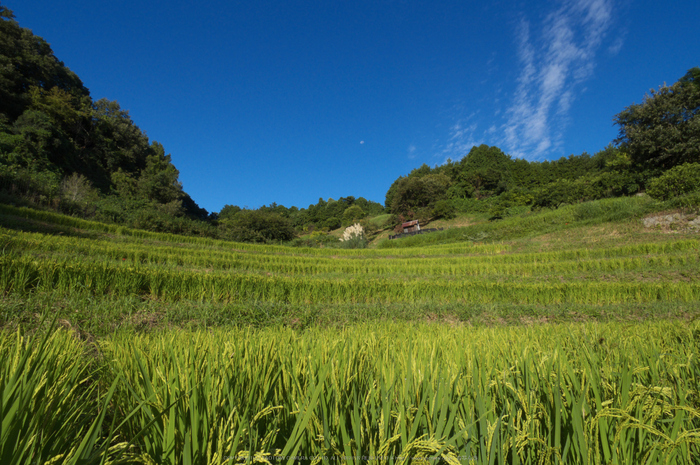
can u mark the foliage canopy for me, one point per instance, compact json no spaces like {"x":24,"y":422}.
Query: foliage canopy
{"x":664,"y":130}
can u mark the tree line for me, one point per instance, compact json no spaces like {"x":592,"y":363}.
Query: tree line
{"x":279,"y":223}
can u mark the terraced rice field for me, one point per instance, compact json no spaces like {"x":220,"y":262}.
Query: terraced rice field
{"x":338,"y":388}
{"x":208,"y":270}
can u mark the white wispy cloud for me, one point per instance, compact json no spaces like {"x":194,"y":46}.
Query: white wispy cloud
{"x":461,"y":139}
{"x":616,"y":46}
{"x":411,"y":151}
{"x":553,"y":64}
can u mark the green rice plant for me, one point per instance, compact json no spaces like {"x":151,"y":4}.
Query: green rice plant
{"x":52,"y":409}
{"x":625,"y":258}
{"x":173,"y":239}
{"x":198,"y":405}
{"x":586,"y":393}
{"x":388,"y":393}
{"x":541,"y":395}
{"x":23,"y":274}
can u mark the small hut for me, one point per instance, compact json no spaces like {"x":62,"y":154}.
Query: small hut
{"x":410,"y":226}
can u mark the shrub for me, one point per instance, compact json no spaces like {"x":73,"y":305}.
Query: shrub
{"x":332,"y":223}
{"x":504,"y":204}
{"x":472,"y":205}
{"x":368,"y":227}
{"x":351,"y":231}
{"x":444,"y":209}
{"x":256,"y":226}
{"x":677,"y":181}
{"x":37,"y":187}
{"x":315,"y":239}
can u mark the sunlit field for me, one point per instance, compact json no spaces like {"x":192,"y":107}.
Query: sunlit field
{"x":575,"y":343}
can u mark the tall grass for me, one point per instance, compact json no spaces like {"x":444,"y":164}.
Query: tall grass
{"x":551,"y":394}
{"x":53,"y":407}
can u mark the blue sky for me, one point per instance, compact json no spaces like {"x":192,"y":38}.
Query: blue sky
{"x":288,"y":101}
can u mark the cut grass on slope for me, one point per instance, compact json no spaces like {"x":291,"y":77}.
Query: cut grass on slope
{"x":568,"y":217}
{"x":89,"y":317}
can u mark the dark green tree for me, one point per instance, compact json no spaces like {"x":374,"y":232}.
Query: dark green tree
{"x":481,"y":172}
{"x":115,"y":141}
{"x":159,"y":179}
{"x":27,"y":61}
{"x":412,"y":194}
{"x":51,"y":130}
{"x":257,"y":226}
{"x":391,"y":193}
{"x":664,"y":130}
{"x":353,"y":214}
{"x":229,"y":211}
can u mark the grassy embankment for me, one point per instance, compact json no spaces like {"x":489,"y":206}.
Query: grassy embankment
{"x":354,"y":353}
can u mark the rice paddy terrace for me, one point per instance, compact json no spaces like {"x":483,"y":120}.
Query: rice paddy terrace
{"x":171,"y":349}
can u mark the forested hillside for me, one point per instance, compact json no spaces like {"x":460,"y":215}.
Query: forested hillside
{"x":59,"y":148}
